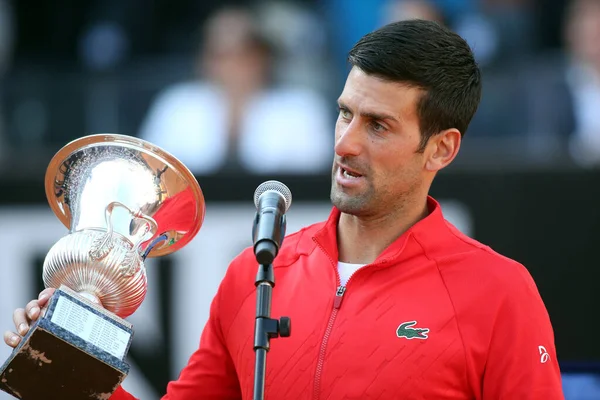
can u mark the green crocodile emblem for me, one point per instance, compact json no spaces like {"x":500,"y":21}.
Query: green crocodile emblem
{"x":405,"y":331}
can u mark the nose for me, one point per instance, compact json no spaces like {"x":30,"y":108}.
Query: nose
{"x":348,"y":139}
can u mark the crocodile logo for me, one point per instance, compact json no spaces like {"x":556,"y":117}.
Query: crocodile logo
{"x":405,"y":330}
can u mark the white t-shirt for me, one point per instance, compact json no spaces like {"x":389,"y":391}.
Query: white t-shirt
{"x":346,"y":270}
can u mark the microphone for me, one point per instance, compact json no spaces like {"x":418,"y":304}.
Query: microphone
{"x":272,"y":200}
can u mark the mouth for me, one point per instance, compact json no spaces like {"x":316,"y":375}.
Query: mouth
{"x":349,"y":173}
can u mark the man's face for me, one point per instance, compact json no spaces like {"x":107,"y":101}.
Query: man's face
{"x":231,"y":56}
{"x":583,"y":31}
{"x":376,"y":166}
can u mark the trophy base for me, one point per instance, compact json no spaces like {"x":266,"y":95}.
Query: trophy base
{"x":75,"y":351}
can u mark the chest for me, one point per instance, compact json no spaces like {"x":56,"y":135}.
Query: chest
{"x":378,"y":338}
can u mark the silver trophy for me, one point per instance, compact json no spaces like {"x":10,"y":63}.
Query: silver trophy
{"x":123,"y":200}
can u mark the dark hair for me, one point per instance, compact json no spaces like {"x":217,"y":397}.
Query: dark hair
{"x":429,"y":56}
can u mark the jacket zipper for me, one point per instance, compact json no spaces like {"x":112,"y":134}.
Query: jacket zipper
{"x":337,"y":303}
{"x":339,"y":295}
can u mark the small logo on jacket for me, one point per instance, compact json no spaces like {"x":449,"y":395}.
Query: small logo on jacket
{"x":405,"y":330}
{"x":544,"y":356}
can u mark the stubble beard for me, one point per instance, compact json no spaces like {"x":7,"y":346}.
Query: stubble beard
{"x":357,"y":204}
{"x":369,"y":201}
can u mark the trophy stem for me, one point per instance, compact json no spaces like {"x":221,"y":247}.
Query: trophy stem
{"x":90,"y":296}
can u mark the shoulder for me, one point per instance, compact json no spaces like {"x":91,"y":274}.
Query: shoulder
{"x":474,"y":265}
{"x":294,"y":245}
{"x":487,"y":288}
{"x":240,"y":276}
{"x":298,"y":244}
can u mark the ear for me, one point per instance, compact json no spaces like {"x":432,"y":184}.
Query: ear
{"x":442,"y":149}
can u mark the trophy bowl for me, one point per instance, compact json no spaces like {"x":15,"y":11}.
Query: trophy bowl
{"x":122,"y":199}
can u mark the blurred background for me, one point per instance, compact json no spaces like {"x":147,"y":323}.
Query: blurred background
{"x":245,"y":91}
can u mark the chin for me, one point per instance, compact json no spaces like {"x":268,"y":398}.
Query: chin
{"x":353,"y":205}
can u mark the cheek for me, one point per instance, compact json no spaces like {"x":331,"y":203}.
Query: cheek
{"x":400,"y":168}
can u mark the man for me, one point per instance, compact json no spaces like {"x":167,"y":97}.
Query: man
{"x":388,"y":300}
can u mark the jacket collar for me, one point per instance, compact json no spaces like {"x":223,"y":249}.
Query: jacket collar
{"x":427,"y":231}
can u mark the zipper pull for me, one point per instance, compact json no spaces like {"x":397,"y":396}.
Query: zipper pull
{"x":339,"y":296}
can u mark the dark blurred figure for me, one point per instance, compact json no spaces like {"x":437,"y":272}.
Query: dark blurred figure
{"x":562,"y":92}
{"x":6,"y":47}
{"x":7,"y":32}
{"x":583,"y":79}
{"x":233,"y":117}
{"x":499,"y":30}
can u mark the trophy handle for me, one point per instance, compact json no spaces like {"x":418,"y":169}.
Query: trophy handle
{"x":104,"y":244}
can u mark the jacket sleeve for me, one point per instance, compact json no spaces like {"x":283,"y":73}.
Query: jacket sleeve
{"x":521,"y":360}
{"x":210,"y":373}
{"x":121,"y":394}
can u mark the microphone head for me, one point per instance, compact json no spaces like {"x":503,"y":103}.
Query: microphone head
{"x":274,"y":186}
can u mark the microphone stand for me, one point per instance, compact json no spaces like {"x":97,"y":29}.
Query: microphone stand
{"x":266,"y":328}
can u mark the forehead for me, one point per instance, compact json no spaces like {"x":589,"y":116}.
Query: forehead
{"x":368,"y":93}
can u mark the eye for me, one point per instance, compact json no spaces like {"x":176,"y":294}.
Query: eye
{"x":377,"y":127}
{"x":345,"y":113}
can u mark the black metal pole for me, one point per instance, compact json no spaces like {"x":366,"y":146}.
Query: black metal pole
{"x":264,"y":287}
{"x":259,"y":376}
{"x":265,"y":328}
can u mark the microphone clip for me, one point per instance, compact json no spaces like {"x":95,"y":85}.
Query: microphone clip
{"x":262,"y":244}
{"x":266,"y":242}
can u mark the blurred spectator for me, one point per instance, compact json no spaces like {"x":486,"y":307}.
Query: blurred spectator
{"x":561,"y":92}
{"x":300,"y":36}
{"x":233,"y":117}
{"x":348,"y":21}
{"x":398,"y":10}
{"x":499,"y":31}
{"x":104,"y":45}
{"x":583,"y":79}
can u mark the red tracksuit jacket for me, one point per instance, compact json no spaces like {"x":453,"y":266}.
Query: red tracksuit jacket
{"x":436,"y":316}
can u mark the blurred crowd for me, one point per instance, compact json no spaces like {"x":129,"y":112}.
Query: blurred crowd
{"x":250,"y":86}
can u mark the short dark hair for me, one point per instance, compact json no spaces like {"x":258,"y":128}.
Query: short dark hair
{"x":429,"y":56}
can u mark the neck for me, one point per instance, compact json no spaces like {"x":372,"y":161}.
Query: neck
{"x":362,"y":239}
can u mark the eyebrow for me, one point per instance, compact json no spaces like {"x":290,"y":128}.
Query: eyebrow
{"x":371,"y":115}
